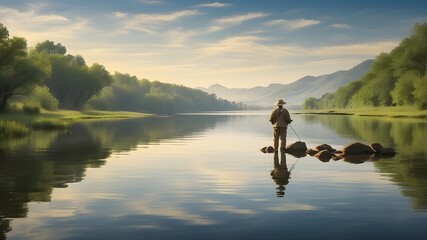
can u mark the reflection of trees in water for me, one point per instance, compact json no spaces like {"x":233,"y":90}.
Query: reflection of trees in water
{"x":30,"y":168}
{"x":408,"y":136}
{"x":127,"y":134}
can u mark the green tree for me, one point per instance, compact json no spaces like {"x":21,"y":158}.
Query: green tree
{"x":72,"y":82}
{"x":411,"y":54}
{"x":396,"y":78}
{"x":420,"y":92}
{"x":51,"y":48}
{"x":131,"y":94}
{"x":310,"y":103}
{"x":18,"y":69}
{"x":402,"y":93}
{"x":42,"y":97}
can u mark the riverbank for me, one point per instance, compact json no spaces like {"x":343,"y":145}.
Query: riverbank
{"x":394,"y":112}
{"x":68,"y":116}
{"x":19,"y":124}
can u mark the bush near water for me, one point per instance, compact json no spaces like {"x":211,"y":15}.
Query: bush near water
{"x":12,"y":129}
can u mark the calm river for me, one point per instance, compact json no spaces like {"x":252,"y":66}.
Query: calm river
{"x":203,"y":176}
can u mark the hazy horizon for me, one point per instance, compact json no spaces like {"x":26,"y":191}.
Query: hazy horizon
{"x":237,"y":44}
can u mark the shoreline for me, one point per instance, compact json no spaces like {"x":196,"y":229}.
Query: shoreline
{"x":389,"y":112}
{"x":69,"y":116}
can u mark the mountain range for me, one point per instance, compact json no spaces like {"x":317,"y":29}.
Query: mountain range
{"x":293,"y":93}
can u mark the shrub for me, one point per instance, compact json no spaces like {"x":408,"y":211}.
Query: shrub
{"x":42,"y":97}
{"x":31,"y":109}
{"x":49,"y":125}
{"x":12,"y":129}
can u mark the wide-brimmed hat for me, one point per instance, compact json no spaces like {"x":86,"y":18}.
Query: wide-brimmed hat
{"x":280,"y":102}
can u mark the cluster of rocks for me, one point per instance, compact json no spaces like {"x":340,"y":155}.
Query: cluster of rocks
{"x":354,"y":152}
{"x":296,"y":147}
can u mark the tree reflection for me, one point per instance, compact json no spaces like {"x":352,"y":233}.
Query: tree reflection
{"x":408,"y":136}
{"x":30,"y":168}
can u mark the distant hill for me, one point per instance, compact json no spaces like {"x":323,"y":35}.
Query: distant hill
{"x":294,"y":93}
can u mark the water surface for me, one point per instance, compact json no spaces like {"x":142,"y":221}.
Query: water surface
{"x":202,"y":176}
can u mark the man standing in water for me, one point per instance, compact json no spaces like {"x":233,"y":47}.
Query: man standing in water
{"x":280,"y":119}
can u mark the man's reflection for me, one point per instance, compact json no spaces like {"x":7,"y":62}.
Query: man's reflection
{"x":280,"y":173}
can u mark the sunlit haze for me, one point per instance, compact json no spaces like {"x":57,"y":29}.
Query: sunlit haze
{"x":244,"y":43}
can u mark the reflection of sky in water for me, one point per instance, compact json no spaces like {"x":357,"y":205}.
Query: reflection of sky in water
{"x":217,"y":184}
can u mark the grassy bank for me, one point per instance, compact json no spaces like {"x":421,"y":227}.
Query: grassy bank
{"x":14,"y":124}
{"x":410,"y":112}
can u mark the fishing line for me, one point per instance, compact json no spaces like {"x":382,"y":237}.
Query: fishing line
{"x":293,"y":165}
{"x":295,"y":132}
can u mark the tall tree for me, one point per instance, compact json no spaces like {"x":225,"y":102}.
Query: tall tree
{"x":72,"y":82}
{"x":51,"y":48}
{"x":18,"y":69}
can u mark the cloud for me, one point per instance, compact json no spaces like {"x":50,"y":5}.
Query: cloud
{"x":150,"y":22}
{"x":235,"y":20}
{"x":293,"y":24}
{"x":340,"y":25}
{"x":50,"y":18}
{"x":178,"y":37}
{"x":214,"y":5}
{"x":250,"y":45}
{"x":151,"y":2}
{"x":225,"y":22}
{"x":36,"y":26}
{"x":357,"y":49}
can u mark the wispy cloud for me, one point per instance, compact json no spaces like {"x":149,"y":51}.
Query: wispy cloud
{"x":214,"y":5}
{"x":358,"y":49}
{"x":225,"y":22}
{"x":150,"y":22}
{"x":37,"y":26}
{"x":240,"y":18}
{"x":293,"y":24}
{"x":340,"y":26}
{"x":150,"y":2}
{"x":179,"y":37}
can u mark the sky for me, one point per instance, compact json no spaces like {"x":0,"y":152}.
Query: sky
{"x":235,"y":43}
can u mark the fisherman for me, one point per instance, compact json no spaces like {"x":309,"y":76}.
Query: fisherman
{"x":280,"y":119}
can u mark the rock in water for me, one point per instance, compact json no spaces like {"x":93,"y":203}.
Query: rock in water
{"x":324,"y":155}
{"x":268,"y":149}
{"x":324,"y":147}
{"x":311,"y":152}
{"x":377,"y":147}
{"x":296,"y":147}
{"x":387,"y":151}
{"x":356,"y":148}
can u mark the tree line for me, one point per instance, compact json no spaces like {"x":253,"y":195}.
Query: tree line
{"x":47,"y":77}
{"x":397,"y":78}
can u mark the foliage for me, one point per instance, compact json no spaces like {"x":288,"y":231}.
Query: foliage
{"x":12,"y":129}
{"x":50,"y":125}
{"x":73,"y":82}
{"x":18,"y":69}
{"x":43,"y":97}
{"x":396,"y":78}
{"x":31,"y":109}
{"x":51,"y":48}
{"x":69,"y":83}
{"x":130,"y":94}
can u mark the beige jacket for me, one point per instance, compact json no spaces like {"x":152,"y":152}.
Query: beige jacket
{"x":280,"y":117}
